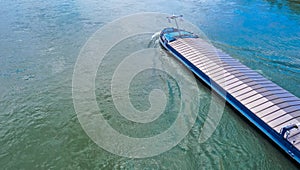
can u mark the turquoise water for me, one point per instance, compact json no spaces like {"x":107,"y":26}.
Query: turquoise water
{"x":40,"y":42}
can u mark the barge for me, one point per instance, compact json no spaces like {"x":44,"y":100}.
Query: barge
{"x":272,"y":109}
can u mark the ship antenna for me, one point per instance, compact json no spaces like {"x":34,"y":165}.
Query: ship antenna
{"x":174,"y":17}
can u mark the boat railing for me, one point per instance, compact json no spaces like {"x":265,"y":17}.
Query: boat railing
{"x":285,"y":131}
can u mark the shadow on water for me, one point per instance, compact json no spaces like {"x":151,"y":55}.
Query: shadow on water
{"x":293,"y":5}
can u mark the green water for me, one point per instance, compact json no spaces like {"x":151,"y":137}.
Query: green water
{"x":40,"y":42}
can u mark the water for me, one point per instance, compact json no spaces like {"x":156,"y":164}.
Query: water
{"x":40,"y":42}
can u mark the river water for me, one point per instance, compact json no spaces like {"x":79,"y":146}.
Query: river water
{"x":41,"y":40}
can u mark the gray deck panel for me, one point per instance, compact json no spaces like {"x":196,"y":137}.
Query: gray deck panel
{"x":276,"y":102}
{"x":294,"y":136}
{"x":269,"y":107}
{"x":273,"y":116}
{"x":271,"y":103}
{"x":287,"y":120}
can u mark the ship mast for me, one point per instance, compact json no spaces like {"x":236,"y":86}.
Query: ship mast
{"x":174,"y":17}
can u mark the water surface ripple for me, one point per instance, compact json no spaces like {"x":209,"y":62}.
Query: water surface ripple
{"x":39,"y":44}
